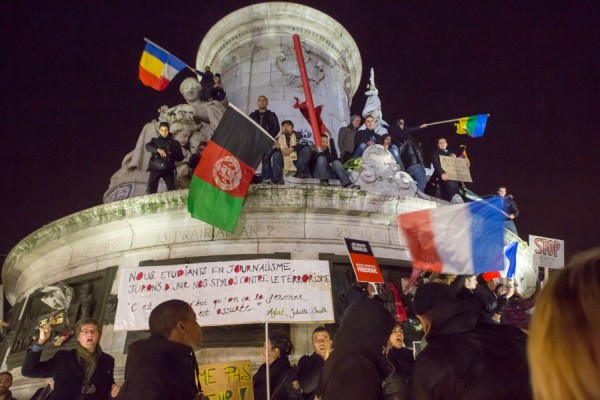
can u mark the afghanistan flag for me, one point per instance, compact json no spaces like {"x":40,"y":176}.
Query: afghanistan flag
{"x":226,"y":168}
{"x":472,"y":126}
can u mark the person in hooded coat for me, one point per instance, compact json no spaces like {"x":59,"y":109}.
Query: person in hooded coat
{"x":358,"y":365}
{"x":465,"y":358}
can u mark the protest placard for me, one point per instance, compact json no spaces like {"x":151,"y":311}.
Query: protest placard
{"x":363,"y":261}
{"x":456,"y":168}
{"x":547,"y":252}
{"x":231,"y":380}
{"x":229,"y":293}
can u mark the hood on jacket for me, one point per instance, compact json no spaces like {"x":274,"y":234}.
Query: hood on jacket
{"x":366,"y":327}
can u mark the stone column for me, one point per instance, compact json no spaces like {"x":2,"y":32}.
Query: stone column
{"x":252,"y":49}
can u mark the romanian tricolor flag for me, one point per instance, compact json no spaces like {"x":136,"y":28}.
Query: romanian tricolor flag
{"x":158,"y":67}
{"x":472,"y":126}
{"x":221,"y":179}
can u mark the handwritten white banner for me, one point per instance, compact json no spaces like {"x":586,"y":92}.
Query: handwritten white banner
{"x":229,"y":293}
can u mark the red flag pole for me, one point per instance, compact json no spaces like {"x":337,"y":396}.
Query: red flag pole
{"x":307,"y":93}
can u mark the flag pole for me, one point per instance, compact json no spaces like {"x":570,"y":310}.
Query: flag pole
{"x":168,"y":52}
{"x":307,"y":93}
{"x":445,"y":122}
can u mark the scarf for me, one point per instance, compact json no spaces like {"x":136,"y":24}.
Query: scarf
{"x":288,"y":161}
{"x":90,"y":360}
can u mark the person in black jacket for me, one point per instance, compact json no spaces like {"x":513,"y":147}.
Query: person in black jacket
{"x":366,"y":137}
{"x":165,"y":152}
{"x":509,"y":206}
{"x":164,"y":365}
{"x":310,"y":367}
{"x":268,"y":120}
{"x":329,"y":166}
{"x":466,"y":359}
{"x":358,"y":365}
{"x":449,"y":189}
{"x":83,"y":373}
{"x":284,"y":383}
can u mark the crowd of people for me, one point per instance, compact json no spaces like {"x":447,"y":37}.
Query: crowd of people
{"x":467,"y":352}
{"x":293,"y":155}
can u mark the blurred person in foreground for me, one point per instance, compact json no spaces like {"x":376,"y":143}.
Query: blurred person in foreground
{"x":564,"y":346}
{"x":358,"y":366}
{"x":465,"y":358}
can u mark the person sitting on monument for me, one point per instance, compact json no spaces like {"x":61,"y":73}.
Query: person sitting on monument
{"x":346,"y":136}
{"x":206,"y":79}
{"x":411,"y":153}
{"x":290,"y":154}
{"x":217,"y":92}
{"x":165,"y":152}
{"x":450,"y":190}
{"x":82,"y":373}
{"x":386,"y":141}
{"x":283,"y":381}
{"x":310,"y":367}
{"x":366,"y":137}
{"x":329,"y":166}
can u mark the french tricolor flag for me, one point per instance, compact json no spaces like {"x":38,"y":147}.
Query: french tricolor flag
{"x":456,"y":239}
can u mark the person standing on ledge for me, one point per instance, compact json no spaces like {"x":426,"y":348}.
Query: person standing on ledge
{"x":82,"y":373}
{"x":509,"y":206}
{"x":165,"y":152}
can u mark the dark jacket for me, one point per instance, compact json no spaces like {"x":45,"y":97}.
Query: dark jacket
{"x":269,"y":122}
{"x":330,"y":153}
{"x":309,"y":374}
{"x":509,"y":206}
{"x":399,"y":136}
{"x":284,"y":382}
{"x":437,"y":165}
{"x":217,"y":93}
{"x":465,"y":359}
{"x":171,"y":146}
{"x":490,"y":302}
{"x":356,"y":367}
{"x":411,"y":153}
{"x":346,"y":136}
{"x":364,"y":136}
{"x":159,"y":369}
{"x":68,"y":374}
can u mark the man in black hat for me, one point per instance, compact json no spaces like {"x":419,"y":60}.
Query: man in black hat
{"x":290,"y":152}
{"x":466,"y":359}
{"x":165,"y":152}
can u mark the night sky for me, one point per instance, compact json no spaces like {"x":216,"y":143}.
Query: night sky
{"x":72,"y":105}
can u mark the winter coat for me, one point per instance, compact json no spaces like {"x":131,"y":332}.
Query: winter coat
{"x":356,"y":367}
{"x":270,"y":123}
{"x":159,"y":369}
{"x":465,"y":359}
{"x":283,"y":378}
{"x":171,"y":146}
{"x":309,"y":374}
{"x":68,"y":374}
